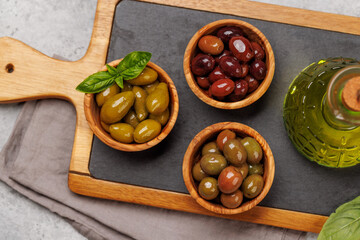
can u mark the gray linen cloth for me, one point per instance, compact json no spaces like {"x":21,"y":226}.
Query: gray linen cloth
{"x":35,"y":162}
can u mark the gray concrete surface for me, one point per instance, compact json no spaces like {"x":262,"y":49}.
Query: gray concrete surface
{"x":64,"y":28}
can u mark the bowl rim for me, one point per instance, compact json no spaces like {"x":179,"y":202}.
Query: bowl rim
{"x":89,"y":103}
{"x":252,"y":97}
{"x":193,"y":151}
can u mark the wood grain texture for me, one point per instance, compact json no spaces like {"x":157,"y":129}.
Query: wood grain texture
{"x":253,"y":34}
{"x":192,"y":154}
{"x":89,"y":186}
{"x":271,"y":12}
{"x":92,"y":113}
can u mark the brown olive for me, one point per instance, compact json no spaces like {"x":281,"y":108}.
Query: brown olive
{"x":203,"y":82}
{"x":213,"y":163}
{"x":244,"y":70}
{"x":258,"y":69}
{"x":202,"y":64}
{"x":235,"y":152}
{"x":256,"y":169}
{"x":232,"y":200}
{"x":258,"y":51}
{"x":252,"y":82}
{"x":223,"y":137}
{"x":229,"y":180}
{"x":211,"y":44}
{"x":223,"y":54}
{"x":253,"y":150}
{"x":210,"y":147}
{"x":240,"y":91}
{"x":252,"y":186}
{"x":217,"y":74}
{"x":226,"y":33}
{"x":208,"y":188}
{"x":231,"y":66}
{"x":197,"y":173}
{"x":222,"y":87}
{"x":243,"y":169}
{"x":241,"y":48}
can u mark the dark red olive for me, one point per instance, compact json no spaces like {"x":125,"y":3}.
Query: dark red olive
{"x":203,"y":82}
{"x":230,"y":66}
{"x":222,"y":87}
{"x":258,"y":51}
{"x":226,"y":33}
{"x":202,"y":64}
{"x":240,"y":91}
{"x":217,"y":74}
{"x":244,"y":70}
{"x":258,"y":69}
{"x":241,"y":48}
{"x":252,"y":82}
{"x":224,"y":53}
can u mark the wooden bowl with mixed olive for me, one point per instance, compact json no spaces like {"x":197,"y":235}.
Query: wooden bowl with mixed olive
{"x":132,"y":126}
{"x":228,"y":168}
{"x":229,"y":64}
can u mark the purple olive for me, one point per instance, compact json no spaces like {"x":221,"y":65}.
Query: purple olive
{"x":258,"y":69}
{"x":202,"y":64}
{"x":241,"y":48}
{"x":222,"y":87}
{"x":226,"y":33}
{"x":252,"y":82}
{"x":230,"y":66}
{"x":258,"y":51}
{"x":223,"y":54}
{"x":217,"y":74}
{"x":240,"y":91}
{"x":203,"y":82}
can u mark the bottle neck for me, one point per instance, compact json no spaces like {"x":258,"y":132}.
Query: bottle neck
{"x":341,"y":106}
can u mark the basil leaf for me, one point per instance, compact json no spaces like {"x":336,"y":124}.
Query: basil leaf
{"x":133,"y":64}
{"x":113,"y":71}
{"x":120,"y":81}
{"x":344,"y":223}
{"x":96,"y":82}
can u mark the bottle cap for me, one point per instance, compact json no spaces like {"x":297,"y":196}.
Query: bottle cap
{"x":351,"y":94}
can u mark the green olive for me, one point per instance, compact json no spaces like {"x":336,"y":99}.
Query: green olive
{"x":234,"y":152}
{"x":256,"y":169}
{"x":122,"y":132}
{"x":213,"y":163}
{"x":139,"y":106}
{"x":162,"y":118}
{"x":127,"y":87}
{"x":158,"y":100}
{"x":147,"y":130}
{"x":253,"y":149}
{"x":208,"y":188}
{"x":210,"y":147}
{"x":243,"y":169}
{"x":116,"y":107}
{"x":151,"y":87}
{"x":131,"y":118}
{"x":105,"y":126}
{"x":198,"y":173}
{"x":147,"y":76}
{"x":101,"y":97}
{"x":252,"y":186}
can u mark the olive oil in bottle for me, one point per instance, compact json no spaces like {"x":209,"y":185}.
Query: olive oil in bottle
{"x":322,"y":112}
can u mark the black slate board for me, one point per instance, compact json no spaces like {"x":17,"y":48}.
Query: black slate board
{"x":299,"y":184}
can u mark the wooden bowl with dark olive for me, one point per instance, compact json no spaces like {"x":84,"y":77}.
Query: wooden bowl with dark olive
{"x":193,"y":154}
{"x":253,"y":35}
{"x":92,"y":113}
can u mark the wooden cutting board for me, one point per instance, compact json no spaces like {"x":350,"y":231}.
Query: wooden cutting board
{"x":45,"y":77}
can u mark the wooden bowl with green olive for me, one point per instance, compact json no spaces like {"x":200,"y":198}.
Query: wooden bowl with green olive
{"x":228,"y":168}
{"x":133,"y":124}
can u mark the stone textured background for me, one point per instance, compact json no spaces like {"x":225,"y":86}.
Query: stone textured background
{"x":63,"y":28}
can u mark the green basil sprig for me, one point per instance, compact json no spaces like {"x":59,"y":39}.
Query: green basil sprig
{"x":344,"y":223}
{"x":130,"y":67}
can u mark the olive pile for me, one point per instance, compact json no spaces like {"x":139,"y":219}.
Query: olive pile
{"x":231,"y":168}
{"x":138,"y":111}
{"x":228,"y":66}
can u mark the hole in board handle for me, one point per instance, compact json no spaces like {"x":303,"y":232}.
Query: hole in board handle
{"x":10,"y":68}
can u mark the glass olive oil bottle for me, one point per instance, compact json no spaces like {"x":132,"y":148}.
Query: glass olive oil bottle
{"x":322,"y":114}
